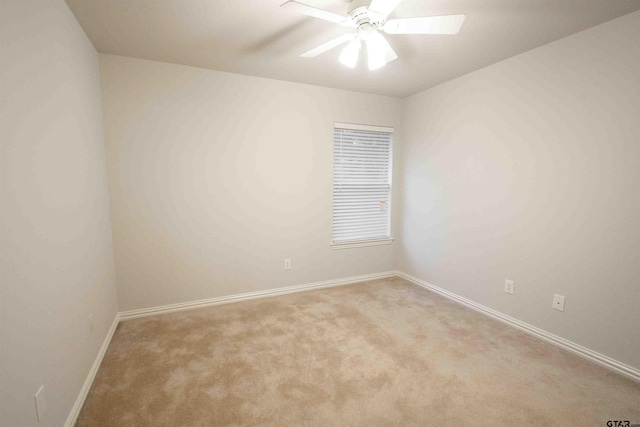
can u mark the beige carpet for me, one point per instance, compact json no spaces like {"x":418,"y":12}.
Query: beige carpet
{"x":381,"y":353}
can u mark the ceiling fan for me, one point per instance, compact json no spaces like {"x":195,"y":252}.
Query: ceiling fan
{"x":369,"y":18}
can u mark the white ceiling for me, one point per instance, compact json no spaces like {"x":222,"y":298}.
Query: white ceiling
{"x":258,"y":38}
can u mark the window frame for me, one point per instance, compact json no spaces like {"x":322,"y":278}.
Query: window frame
{"x":364,"y":242}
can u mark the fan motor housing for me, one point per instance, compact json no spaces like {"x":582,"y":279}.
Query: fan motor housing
{"x":361,"y":14}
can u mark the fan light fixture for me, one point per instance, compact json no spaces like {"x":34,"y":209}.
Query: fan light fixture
{"x":369,"y":20}
{"x":378,"y":50}
{"x":350,"y":54}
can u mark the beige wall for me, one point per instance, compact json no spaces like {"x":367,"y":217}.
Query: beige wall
{"x":216,"y":178}
{"x":528,"y":170}
{"x":57,"y":262}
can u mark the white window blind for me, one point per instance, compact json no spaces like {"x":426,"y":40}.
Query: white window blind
{"x":362,"y":158}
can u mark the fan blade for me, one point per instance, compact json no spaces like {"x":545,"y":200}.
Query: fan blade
{"x":449,"y":24}
{"x":305,"y":9}
{"x":328,"y":45}
{"x":379,"y":51}
{"x":384,"y":7}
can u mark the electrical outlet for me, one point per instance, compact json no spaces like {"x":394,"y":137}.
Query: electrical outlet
{"x":508,"y":286}
{"x":41,"y":404}
{"x":91,"y":324}
{"x":287,"y":264}
{"x":558,"y":302}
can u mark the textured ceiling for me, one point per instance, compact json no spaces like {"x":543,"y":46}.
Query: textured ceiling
{"x":258,"y":38}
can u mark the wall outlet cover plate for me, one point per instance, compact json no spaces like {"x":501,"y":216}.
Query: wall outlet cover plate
{"x":508,"y":286}
{"x":558,"y":302}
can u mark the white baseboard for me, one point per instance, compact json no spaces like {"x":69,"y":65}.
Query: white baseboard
{"x":601,"y":359}
{"x":132,"y":314}
{"x":77,"y":406}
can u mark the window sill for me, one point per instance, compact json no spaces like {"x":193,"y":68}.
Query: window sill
{"x":362,"y":243}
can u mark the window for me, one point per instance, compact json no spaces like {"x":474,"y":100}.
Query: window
{"x":361,"y":185}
